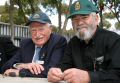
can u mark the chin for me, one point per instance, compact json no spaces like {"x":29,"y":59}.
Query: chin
{"x":39,"y":43}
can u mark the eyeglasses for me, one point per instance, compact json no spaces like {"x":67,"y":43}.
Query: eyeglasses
{"x":35,"y":29}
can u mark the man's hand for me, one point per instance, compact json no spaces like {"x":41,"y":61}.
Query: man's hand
{"x":55,"y":75}
{"x":34,"y":68}
{"x":11,"y":72}
{"x":74,"y":75}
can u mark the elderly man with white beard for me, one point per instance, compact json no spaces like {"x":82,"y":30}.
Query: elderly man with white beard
{"x":93,"y":54}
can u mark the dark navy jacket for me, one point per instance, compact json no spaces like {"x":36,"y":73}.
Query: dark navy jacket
{"x":53,"y":51}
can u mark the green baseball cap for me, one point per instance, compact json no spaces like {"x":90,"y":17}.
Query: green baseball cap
{"x":38,"y":17}
{"x":82,"y":7}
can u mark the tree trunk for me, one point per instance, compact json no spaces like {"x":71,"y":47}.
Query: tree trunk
{"x":59,"y":17}
{"x":21,"y":10}
{"x":101,"y":19}
{"x":11,"y":10}
{"x":66,"y":20}
{"x":31,"y":5}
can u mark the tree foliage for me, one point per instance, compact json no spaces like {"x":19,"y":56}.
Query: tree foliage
{"x":109,"y":15}
{"x":112,"y":5}
{"x":106,"y":24}
{"x":117,"y":25}
{"x":22,"y":9}
{"x":61,"y":8}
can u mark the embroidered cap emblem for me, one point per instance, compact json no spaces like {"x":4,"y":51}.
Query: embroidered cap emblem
{"x":36,"y":16}
{"x":77,"y":5}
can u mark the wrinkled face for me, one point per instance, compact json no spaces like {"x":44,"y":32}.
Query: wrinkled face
{"x":85,"y":25}
{"x":40,"y":32}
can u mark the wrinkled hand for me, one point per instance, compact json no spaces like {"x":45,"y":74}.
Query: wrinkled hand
{"x":74,"y":75}
{"x":8,"y":72}
{"x":34,"y":68}
{"x":55,"y":75}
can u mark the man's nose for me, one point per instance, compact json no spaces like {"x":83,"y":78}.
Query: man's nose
{"x":37,"y":33}
{"x":80,"y":22}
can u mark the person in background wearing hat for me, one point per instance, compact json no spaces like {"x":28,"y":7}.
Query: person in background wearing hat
{"x":39,"y":53}
{"x":93,"y":54}
{"x":7,"y":50}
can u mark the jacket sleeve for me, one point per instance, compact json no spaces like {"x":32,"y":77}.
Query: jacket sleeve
{"x":9,"y":64}
{"x":55,"y":53}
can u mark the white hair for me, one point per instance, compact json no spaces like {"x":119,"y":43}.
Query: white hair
{"x":94,"y":15}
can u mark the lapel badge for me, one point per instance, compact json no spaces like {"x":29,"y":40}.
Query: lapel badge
{"x":77,"y":5}
{"x":40,"y":62}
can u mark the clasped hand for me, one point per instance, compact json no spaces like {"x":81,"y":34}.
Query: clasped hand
{"x":34,"y":68}
{"x":72,"y":75}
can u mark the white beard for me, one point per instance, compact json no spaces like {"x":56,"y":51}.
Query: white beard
{"x":87,"y":34}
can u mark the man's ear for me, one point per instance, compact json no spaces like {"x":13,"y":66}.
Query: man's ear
{"x":97,"y":19}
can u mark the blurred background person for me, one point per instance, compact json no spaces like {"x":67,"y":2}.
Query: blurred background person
{"x":7,"y":50}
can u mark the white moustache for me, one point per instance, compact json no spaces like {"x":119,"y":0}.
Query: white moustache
{"x":38,"y":37}
{"x":78,"y":28}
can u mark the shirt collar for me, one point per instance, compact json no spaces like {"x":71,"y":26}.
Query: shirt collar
{"x":37,"y":46}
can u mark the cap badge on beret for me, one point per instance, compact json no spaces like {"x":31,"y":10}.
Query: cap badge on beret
{"x":36,"y":16}
{"x":77,"y":5}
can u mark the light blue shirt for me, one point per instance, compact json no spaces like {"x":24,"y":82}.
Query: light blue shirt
{"x":36,"y":54}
